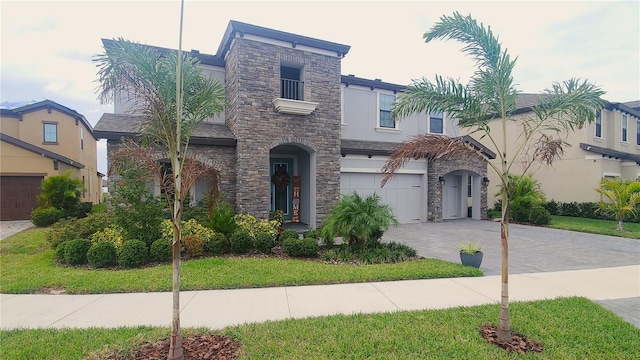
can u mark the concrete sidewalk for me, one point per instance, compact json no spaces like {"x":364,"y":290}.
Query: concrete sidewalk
{"x":219,"y":308}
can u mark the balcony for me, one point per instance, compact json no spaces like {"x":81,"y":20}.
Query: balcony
{"x":291,"y":98}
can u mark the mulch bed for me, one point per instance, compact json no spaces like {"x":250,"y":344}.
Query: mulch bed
{"x":519,"y":343}
{"x":195,"y":347}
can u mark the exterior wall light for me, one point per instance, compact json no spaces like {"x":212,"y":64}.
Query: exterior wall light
{"x":485,"y":181}
{"x":441,"y":180}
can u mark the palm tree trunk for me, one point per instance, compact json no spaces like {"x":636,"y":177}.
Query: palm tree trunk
{"x":620,"y":228}
{"x":504,"y":329}
{"x":175,"y":345}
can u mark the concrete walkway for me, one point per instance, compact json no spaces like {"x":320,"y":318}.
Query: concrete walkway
{"x":8,"y":228}
{"x":219,"y":308}
{"x":545,"y":264}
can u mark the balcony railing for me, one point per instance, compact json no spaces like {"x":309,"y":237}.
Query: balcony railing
{"x":291,"y":89}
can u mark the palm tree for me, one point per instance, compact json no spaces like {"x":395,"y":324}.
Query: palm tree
{"x":173,"y":95}
{"x":524,"y":193}
{"x":623,"y":196}
{"x":491,"y":95}
{"x":361,"y":221}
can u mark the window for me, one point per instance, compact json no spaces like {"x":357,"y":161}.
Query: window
{"x":637,"y":132}
{"x":436,"y":123}
{"x":50,"y":132}
{"x":386,"y":101}
{"x":469,"y":185}
{"x":291,"y":85}
{"x":625,"y":124}
{"x":598,"y":124}
{"x":81,"y":138}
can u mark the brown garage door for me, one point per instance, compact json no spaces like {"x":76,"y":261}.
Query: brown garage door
{"x":18,"y":196}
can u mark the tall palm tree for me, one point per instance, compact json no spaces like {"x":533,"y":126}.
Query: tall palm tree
{"x":623,"y":198}
{"x":174,"y":96}
{"x":491,"y":95}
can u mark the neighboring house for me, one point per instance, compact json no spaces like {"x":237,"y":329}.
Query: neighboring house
{"x":296,"y":134}
{"x":606,"y":148}
{"x":38,"y":140}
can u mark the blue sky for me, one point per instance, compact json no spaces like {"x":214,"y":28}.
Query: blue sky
{"x":46,"y":47}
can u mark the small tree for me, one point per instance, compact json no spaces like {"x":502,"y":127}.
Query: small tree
{"x":361,"y":221}
{"x":61,"y":192}
{"x":170,"y":90}
{"x":491,"y":95}
{"x":623,"y":198}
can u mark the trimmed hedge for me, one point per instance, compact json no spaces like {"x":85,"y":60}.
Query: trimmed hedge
{"x":75,"y":251}
{"x":218,"y":244}
{"x":45,"y":216}
{"x":241,"y":242}
{"x":161,"y":250}
{"x":102,"y":254}
{"x":133,"y":253}
{"x":307,"y":247}
{"x":264,"y":242}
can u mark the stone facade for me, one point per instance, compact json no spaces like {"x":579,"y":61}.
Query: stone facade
{"x":474,"y":164}
{"x":252,"y":82}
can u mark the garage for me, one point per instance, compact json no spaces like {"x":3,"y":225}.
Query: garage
{"x":18,"y":196}
{"x":404,"y":192}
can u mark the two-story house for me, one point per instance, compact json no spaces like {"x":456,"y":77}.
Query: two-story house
{"x":296,"y":134}
{"x":607,"y":148}
{"x":38,"y":140}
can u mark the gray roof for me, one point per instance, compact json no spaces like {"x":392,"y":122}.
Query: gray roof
{"x":610,"y":153}
{"x":362,"y":147}
{"x":237,"y":27}
{"x":116,"y":126}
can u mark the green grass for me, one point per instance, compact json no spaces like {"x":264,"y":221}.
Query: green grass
{"x":595,"y":226}
{"x":569,"y":328}
{"x":28,"y":266}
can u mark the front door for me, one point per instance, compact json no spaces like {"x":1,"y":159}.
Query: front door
{"x":281,"y":185}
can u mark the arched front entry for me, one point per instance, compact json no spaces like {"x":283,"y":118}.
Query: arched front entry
{"x":456,"y":185}
{"x":292,"y":176}
{"x":461,"y":192}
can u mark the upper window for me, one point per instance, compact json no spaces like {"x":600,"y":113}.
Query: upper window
{"x":291,"y":85}
{"x":598,"y":124}
{"x":386,"y":102}
{"x":50,"y":132}
{"x":436,"y":123}
{"x":625,"y":126}
{"x":637,"y":132}
{"x":81,"y":138}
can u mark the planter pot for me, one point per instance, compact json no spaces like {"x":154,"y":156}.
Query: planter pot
{"x":471,"y":259}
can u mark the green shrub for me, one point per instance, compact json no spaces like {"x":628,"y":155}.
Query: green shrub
{"x":133,"y":253}
{"x":312,"y":234}
{"x":253,"y":226}
{"x":75,"y":251}
{"x":553,"y":207}
{"x":222,"y":219}
{"x":193,"y":245}
{"x":60,"y":251}
{"x":264,"y":242}
{"x":361,"y":221}
{"x":540,"y":216}
{"x":289,"y":234}
{"x":61,"y":192}
{"x":189,"y":228}
{"x":83,"y":210}
{"x":72,"y":228}
{"x":382,"y":254}
{"x":241,"y":242}
{"x":570,"y":209}
{"x":102,"y":254}
{"x":307,"y":247}
{"x":161,"y":250}
{"x":218,"y":244}
{"x":45,"y":216}
{"x":113,"y":234}
{"x":135,"y":209}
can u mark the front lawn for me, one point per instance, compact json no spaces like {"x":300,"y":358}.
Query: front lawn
{"x":28,"y":266}
{"x":569,"y":328}
{"x":595,"y":226}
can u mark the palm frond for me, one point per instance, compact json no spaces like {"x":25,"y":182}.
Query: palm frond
{"x":426,"y":146}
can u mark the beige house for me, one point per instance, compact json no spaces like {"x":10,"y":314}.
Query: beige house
{"x":39,"y":140}
{"x":608,"y":147}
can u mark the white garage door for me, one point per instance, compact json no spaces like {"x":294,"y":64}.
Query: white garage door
{"x":403,"y":192}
